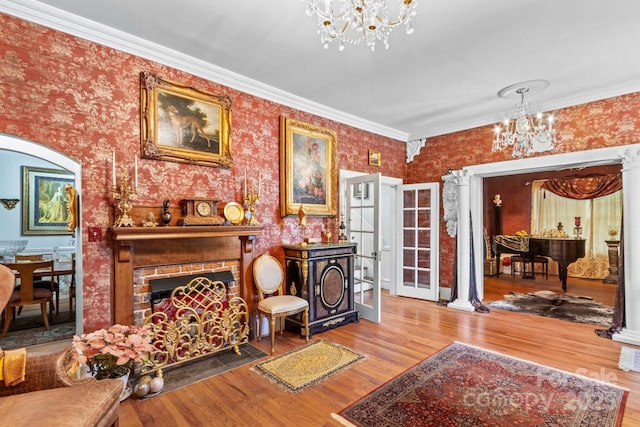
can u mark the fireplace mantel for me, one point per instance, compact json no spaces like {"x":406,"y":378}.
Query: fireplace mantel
{"x":136,"y":247}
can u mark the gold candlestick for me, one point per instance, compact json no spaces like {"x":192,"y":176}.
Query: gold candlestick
{"x":251,"y":199}
{"x":124,"y":193}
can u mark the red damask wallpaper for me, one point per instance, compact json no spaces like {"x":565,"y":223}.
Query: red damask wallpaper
{"x":605,"y":123}
{"x":83,"y":99}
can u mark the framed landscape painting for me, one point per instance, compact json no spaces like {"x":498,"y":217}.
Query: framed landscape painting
{"x":183,"y":124}
{"x":44,"y":208}
{"x":308,"y":174}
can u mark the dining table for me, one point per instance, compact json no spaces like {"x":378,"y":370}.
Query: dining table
{"x":64,"y":268}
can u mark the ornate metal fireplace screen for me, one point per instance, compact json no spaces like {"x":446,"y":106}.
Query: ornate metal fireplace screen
{"x":200,"y":321}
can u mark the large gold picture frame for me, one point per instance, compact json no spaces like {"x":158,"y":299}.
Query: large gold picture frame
{"x":45,"y":202}
{"x":183,"y":124}
{"x":308,"y":174}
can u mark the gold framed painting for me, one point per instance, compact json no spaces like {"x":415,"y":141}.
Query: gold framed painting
{"x":45,"y":208}
{"x":308,"y":174}
{"x":183,"y":124}
{"x":375,"y":158}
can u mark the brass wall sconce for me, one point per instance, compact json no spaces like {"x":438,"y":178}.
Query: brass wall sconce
{"x":9,"y":203}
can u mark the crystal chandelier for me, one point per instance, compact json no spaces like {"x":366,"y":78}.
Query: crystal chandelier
{"x":526,"y":134}
{"x":357,"y":21}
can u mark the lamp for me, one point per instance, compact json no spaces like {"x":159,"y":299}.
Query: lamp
{"x":357,"y":21}
{"x":9,"y":203}
{"x":526,"y":134}
{"x":577,"y":230}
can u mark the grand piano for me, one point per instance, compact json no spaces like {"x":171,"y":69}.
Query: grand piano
{"x":562,"y":251}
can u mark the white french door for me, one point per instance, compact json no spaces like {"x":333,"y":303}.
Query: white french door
{"x":418,"y":229}
{"x":363,"y":228}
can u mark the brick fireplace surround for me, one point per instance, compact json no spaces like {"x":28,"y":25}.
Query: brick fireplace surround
{"x":145,"y":253}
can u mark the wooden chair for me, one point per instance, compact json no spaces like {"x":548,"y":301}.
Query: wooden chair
{"x":268,"y":276}
{"x":47,"y":282}
{"x":72,"y":284}
{"x":27,"y":294}
{"x":7,"y":284}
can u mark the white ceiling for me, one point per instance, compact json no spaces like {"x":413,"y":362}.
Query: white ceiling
{"x":442,"y":78}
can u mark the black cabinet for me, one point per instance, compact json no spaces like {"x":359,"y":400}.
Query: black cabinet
{"x":323,"y":275}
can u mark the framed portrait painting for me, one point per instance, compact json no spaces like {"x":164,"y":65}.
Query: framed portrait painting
{"x":45,"y":202}
{"x":183,"y":124}
{"x":307,"y":168}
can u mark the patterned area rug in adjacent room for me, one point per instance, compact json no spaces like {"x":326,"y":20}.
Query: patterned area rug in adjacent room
{"x":467,"y":386}
{"x":307,"y":365}
{"x":28,"y":329}
{"x":558,"y":306}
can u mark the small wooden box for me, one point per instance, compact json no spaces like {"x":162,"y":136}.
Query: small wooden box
{"x":490,"y":267}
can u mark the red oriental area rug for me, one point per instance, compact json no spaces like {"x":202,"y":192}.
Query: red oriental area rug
{"x":467,"y":386}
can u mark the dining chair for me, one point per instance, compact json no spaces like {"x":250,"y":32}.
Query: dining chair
{"x":46,"y":282}
{"x":27,"y":294}
{"x":7,"y":284}
{"x":268,"y":276}
{"x":72,"y":285}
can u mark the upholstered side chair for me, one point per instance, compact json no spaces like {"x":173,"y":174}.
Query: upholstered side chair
{"x":269,"y":277}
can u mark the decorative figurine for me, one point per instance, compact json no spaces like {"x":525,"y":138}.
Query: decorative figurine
{"x":497,"y":200}
{"x":302,"y":222}
{"x":150,"y":221}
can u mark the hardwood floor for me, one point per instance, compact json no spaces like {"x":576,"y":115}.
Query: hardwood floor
{"x":411,"y":331}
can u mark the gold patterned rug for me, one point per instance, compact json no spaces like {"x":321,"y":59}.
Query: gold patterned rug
{"x":307,"y":365}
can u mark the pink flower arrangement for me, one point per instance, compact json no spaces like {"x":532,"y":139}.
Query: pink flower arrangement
{"x":110,"y":353}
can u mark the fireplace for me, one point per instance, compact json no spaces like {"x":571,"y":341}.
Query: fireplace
{"x":161,"y":289}
{"x":197,"y":319}
{"x":142,"y":254}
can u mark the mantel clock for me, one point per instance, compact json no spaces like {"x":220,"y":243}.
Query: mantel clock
{"x":200,"y":211}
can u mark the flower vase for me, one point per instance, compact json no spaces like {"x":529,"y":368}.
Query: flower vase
{"x":126,"y":390}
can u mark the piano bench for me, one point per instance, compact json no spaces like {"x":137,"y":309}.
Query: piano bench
{"x":525,"y":262}
{"x":538,"y":259}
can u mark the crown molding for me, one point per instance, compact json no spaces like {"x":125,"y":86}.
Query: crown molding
{"x":63,"y":21}
{"x":60,"y":20}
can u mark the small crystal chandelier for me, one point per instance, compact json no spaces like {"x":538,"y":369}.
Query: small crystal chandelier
{"x":525,"y":133}
{"x":355,"y":21}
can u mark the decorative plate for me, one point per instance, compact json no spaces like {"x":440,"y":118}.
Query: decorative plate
{"x":234,"y":213}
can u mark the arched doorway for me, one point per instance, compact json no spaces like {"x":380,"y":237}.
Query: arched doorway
{"x":19,"y":148}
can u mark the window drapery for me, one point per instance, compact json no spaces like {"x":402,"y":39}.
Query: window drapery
{"x":584,"y":187}
{"x":599,"y":217}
